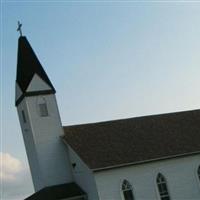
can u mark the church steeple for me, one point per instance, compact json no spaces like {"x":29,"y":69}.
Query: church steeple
{"x":28,"y":69}
{"x":40,"y":121}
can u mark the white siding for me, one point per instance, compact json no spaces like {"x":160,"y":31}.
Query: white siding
{"x":180,"y":173}
{"x":29,"y":145}
{"x":37,"y":84}
{"x":83,"y":176}
{"x":48,"y":156}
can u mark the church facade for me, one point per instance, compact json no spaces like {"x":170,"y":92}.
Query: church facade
{"x":144,"y":158}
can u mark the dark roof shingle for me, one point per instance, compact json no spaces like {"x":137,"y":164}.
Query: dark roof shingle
{"x":57,"y":192}
{"x":134,"y":140}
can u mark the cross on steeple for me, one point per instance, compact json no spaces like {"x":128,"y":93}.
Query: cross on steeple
{"x":19,"y":28}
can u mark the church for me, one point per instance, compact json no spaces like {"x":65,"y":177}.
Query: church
{"x":154,"y":157}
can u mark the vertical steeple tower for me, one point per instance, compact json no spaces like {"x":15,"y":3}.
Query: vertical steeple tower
{"x":40,"y":121}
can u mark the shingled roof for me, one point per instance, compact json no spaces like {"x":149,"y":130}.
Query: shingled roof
{"x":64,"y":191}
{"x":135,"y":140}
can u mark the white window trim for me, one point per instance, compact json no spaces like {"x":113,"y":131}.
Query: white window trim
{"x":156,"y":185}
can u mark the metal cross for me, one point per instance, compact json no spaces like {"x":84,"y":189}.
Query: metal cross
{"x":19,"y":28}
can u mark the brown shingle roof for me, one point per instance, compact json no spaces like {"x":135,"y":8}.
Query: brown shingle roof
{"x":140,"y":139}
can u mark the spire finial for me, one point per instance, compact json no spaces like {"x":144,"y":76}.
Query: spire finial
{"x":19,"y":28}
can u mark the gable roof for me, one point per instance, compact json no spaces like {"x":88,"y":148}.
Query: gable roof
{"x":135,"y":140}
{"x":28,"y":65}
{"x":57,"y":192}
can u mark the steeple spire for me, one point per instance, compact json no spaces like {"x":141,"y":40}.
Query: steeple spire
{"x":28,"y":65}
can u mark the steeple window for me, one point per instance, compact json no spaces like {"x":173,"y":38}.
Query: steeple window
{"x":23,"y":116}
{"x":42,"y":107}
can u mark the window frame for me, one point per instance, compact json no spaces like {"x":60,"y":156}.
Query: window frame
{"x":24,"y":117}
{"x":127,"y":188}
{"x":162,"y":187}
{"x":43,"y":109}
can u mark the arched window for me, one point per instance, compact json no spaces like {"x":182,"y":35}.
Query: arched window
{"x":127,"y":190}
{"x":198,"y":172}
{"x":162,"y":187}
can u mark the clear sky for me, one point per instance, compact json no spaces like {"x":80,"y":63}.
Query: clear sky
{"x":107,"y":60}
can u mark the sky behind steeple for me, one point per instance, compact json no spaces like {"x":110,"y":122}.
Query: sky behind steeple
{"x":106,"y":61}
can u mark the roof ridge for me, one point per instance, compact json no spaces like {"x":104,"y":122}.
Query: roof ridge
{"x":131,"y":118}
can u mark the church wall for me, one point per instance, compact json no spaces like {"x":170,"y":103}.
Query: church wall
{"x":83,"y":176}
{"x":52,"y":155}
{"x":180,"y":173}
{"x":29,"y":145}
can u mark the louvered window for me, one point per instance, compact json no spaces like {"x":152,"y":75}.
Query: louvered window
{"x":23,"y":116}
{"x":43,"y":109}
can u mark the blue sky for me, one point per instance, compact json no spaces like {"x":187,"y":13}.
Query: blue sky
{"x":107,"y":60}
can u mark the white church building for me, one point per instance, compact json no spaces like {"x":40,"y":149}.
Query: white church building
{"x":153,"y":157}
